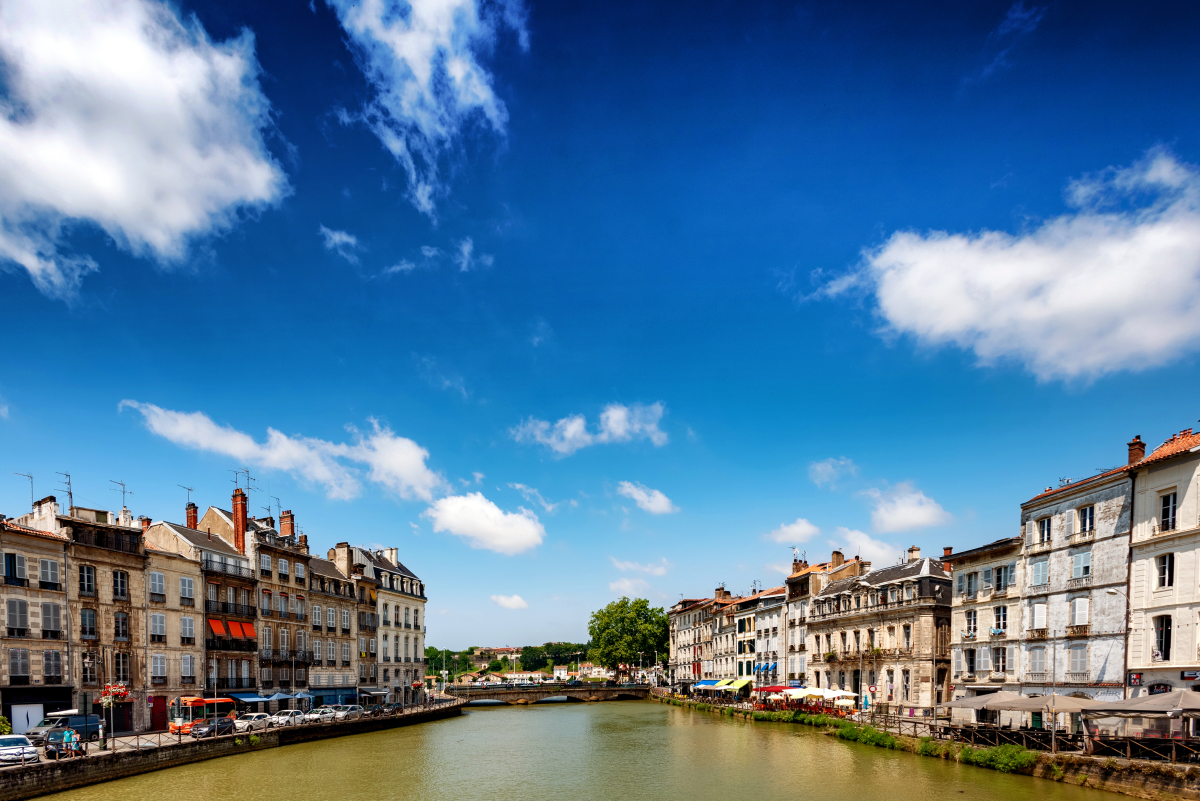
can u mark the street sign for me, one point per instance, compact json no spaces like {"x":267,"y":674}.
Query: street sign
{"x":872,"y":688}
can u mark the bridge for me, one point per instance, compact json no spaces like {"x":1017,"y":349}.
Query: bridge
{"x":540,"y":692}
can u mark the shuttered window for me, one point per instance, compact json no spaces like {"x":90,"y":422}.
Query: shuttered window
{"x":18,"y":614}
{"x":1081,"y":564}
{"x":1039,"y":616}
{"x":51,"y":617}
{"x":48,"y":571}
{"x":18,"y":661}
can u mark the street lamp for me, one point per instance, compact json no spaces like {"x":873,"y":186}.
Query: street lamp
{"x":1128,"y":614}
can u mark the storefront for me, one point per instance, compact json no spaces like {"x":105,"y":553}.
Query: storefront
{"x":328,"y":696}
{"x":249,"y":702}
{"x":25,"y":706}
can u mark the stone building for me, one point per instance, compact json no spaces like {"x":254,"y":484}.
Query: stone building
{"x":331,"y":598}
{"x":985,"y":624}
{"x":770,"y":632}
{"x":1164,"y":592}
{"x":681,"y":630}
{"x":888,"y":628}
{"x":804,"y":580}
{"x":724,"y":636}
{"x":1076,"y":569}
{"x":175,"y":648}
{"x":36,"y":672}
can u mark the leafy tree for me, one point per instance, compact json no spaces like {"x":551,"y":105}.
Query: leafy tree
{"x":623,"y":628}
{"x":494,"y":666}
{"x":5,"y":726}
{"x":533,"y":657}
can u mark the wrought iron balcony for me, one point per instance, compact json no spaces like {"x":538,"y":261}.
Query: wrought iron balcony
{"x":213,"y":566}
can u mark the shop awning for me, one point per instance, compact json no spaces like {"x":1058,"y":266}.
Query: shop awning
{"x":705,"y":683}
{"x":722,"y":682}
{"x":235,"y":629}
{"x":769,"y":689}
{"x":739,"y":684}
{"x":217,"y":627}
{"x":774,"y":665}
{"x":279,"y":697}
{"x":303,"y":694}
{"x":249,"y":698}
{"x":757,"y":668}
{"x":248,"y":629}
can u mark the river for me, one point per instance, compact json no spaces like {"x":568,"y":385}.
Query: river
{"x":579,"y":752}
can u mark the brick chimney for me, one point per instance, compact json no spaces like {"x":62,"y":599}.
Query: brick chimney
{"x":287,"y":523}
{"x":836,"y":559}
{"x":914,"y":554}
{"x":193,"y":515}
{"x":239,"y":520}
{"x":1137,"y":450}
{"x":303,"y":542}
{"x":946,"y":551}
{"x":145,"y":521}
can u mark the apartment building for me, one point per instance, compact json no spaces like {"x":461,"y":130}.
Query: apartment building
{"x":985,"y":619}
{"x":1164,"y":599}
{"x":35,"y":674}
{"x":724,"y":636}
{"x":682,"y":629}
{"x":804,"y":580}
{"x":333,"y":675}
{"x":174,"y":649}
{"x":1076,"y":570}
{"x":770,"y":632}
{"x":744,"y":639}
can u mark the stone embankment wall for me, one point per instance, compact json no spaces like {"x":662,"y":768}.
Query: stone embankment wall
{"x":1133,"y":777}
{"x":52,"y":777}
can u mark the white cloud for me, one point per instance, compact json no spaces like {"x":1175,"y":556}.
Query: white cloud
{"x":477,"y":476}
{"x":618,"y":423}
{"x":792,"y":533}
{"x":395,"y":463}
{"x":466,"y":258}
{"x":828,"y":472}
{"x":399,"y":268}
{"x":629,"y":586}
{"x":440,"y":377}
{"x":484,"y":525}
{"x":121,"y":115}
{"x":651,"y":569}
{"x":420,"y":58}
{"x":510,"y":601}
{"x":341,"y":243}
{"x":531,"y":494}
{"x":1112,"y":285}
{"x":648,"y":500}
{"x":781,"y":567}
{"x":857,"y":543}
{"x":903,"y":508}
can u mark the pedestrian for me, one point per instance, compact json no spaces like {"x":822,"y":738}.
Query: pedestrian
{"x":69,"y":742}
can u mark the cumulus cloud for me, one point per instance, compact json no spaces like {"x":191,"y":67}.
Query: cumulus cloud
{"x":1112,"y":285}
{"x":510,"y":601}
{"x":618,"y":423}
{"x":858,"y":543}
{"x":339,"y":242}
{"x":484,"y":525}
{"x":903,"y":508}
{"x":393,"y":462}
{"x":828,"y":472}
{"x":780,"y":567}
{"x":421,"y":58}
{"x":629,"y":586}
{"x":123,"y":116}
{"x":651,"y":569}
{"x":648,"y":500}
{"x":792,"y":533}
{"x":532,"y":495}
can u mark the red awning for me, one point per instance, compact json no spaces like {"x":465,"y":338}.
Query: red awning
{"x":248,"y":630}
{"x":236,"y":629}
{"x":776,"y":689}
{"x":217,"y":627}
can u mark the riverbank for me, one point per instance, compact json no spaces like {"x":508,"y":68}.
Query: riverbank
{"x":1138,"y":778}
{"x":44,"y":778}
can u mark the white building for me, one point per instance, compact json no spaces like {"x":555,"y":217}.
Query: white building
{"x":770,"y":627}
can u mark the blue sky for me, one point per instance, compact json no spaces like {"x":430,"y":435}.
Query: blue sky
{"x":568,"y":301}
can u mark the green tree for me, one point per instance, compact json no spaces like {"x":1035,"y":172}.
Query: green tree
{"x":494,"y":666}
{"x":533,"y":657}
{"x":623,"y":628}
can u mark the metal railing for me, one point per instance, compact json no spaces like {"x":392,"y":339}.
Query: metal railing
{"x":213,"y":566}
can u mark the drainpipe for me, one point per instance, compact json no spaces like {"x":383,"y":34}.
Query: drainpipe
{"x":1128,"y":587}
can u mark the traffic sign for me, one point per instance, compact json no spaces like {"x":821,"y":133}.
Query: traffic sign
{"x":872,"y":688}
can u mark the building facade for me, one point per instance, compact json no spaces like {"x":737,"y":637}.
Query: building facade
{"x":770,"y":627}
{"x":333,"y":675}
{"x":175,"y":650}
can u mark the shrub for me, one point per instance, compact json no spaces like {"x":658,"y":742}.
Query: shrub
{"x":5,"y":726}
{"x":237,"y":741}
{"x":254,"y":739}
{"x":1004,"y":758}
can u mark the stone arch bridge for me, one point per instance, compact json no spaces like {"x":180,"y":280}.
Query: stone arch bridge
{"x":531,"y":695}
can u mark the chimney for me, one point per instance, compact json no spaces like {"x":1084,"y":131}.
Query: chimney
{"x":836,"y":559}
{"x":304,"y":542}
{"x":1137,"y":450}
{"x":392,"y":555}
{"x":914,"y":554}
{"x":239,"y":520}
{"x":145,"y":521}
{"x":287,"y":523}
{"x":946,"y":551}
{"x":192,"y":515}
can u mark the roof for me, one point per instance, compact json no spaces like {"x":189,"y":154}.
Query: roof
{"x":1183,"y":442}
{"x":370,"y":559}
{"x":205,"y":540}
{"x":983,"y":550}
{"x":885,"y":575}
{"x":9,"y":525}
{"x":1074,"y":485}
{"x":323,"y":567}
{"x":811,"y":569}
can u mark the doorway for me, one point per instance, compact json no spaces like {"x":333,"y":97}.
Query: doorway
{"x":158,"y":713}
{"x":26,"y":716}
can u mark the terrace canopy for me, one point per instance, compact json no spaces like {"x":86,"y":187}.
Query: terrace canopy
{"x":979,"y":701}
{"x":1041,"y":703}
{"x":1179,"y":703}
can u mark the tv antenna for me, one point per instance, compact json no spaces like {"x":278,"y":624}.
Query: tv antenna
{"x":123,"y":491}
{"x":70,"y":494}
{"x":278,"y":505}
{"x":30,"y":477}
{"x":190,"y":490}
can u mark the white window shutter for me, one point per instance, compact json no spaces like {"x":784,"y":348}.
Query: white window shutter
{"x":958,"y":660}
{"x":987,"y":578}
{"x":962,"y":578}
{"x":1039,"y":616}
{"x":1081,"y":611}
{"x":1087,"y":561}
{"x":1012,"y":574}
{"x":1077,"y":565}
{"x":985,"y":659}
{"x":1012,"y":659}
{"x":20,"y":566}
{"x":1030,"y":532}
{"x":1069,"y":522}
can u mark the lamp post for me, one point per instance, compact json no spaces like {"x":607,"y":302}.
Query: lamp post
{"x":1128,"y":615}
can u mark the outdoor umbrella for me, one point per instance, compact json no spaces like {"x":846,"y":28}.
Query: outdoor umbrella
{"x":1184,"y":701}
{"x":1041,"y":703}
{"x":841,"y":694}
{"x":978,"y":701}
{"x":279,"y":697}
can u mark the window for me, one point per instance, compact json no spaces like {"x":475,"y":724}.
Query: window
{"x":1081,"y":564}
{"x":187,"y":630}
{"x":1087,"y":519}
{"x":741,"y":623}
{"x":1166,"y":520}
{"x":158,"y":586}
{"x":907,"y":635}
{"x":1166,"y":569}
{"x":299,"y":571}
{"x":266,"y":600}
{"x":346,"y":619}
{"x":416,"y":618}
{"x":187,"y":588}
{"x":346,"y":652}
{"x":18,"y":663}
{"x":972,"y":585}
{"x":120,"y":626}
{"x":14,"y":566}
{"x":264,"y":563}
{"x":969,"y":660}
{"x":120,"y":585}
{"x":1079,"y":611}
{"x":331,"y":617}
{"x":266,"y":637}
{"x":121,"y":666}
{"x":1078,"y":662}
{"x":214,"y":592}
{"x":1004,"y":575}
{"x":971,"y":623}
{"x":1000,"y":618}
{"x":371,"y":643}
{"x":187,"y":666}
{"x":18,"y":618}
{"x":1043,"y":527}
{"x":283,"y":568}
{"x":907,"y":688}
{"x":1037,"y":660}
{"x":91,"y":670}
{"x":48,"y":573}
{"x":1039,"y":572}
{"x":158,"y":666}
{"x":1162,"y":638}
{"x":1039,"y":616}
{"x":158,"y":628}
{"x":52,"y":667}
{"x":284,"y":635}
{"x":331,"y":652}
{"x":51,"y":621}
{"x":87,"y":624}
{"x":87,"y":580}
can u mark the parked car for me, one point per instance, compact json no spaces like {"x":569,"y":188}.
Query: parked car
{"x":16,"y":748}
{"x":211,"y":727}
{"x":322,"y":714}
{"x":575,"y":683}
{"x":56,"y":748}
{"x":286,"y":717}
{"x":252,"y":721}
{"x":375,"y":711}
{"x":351,"y":712}
{"x":86,"y":726}
{"x":394,"y":709}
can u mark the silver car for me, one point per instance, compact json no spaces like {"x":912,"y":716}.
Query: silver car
{"x":252,"y":722}
{"x":352,"y":712}
{"x":16,"y":749}
{"x":322,"y":714}
{"x":286,"y":717}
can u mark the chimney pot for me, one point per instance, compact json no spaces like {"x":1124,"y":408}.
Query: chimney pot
{"x":914,"y":553}
{"x":145,"y":522}
{"x":837,"y":558}
{"x":287,"y":523}
{"x":947,"y":550}
{"x":192,"y":515}
{"x":239,"y":520}
{"x":1137,"y":450}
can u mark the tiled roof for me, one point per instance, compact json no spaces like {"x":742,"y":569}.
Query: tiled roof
{"x":1182,"y":442}
{"x":202,"y":539}
{"x":323,"y":567}
{"x":33,"y":532}
{"x":1007,"y":542}
{"x":810,"y":569}
{"x":1074,"y":485}
{"x":383,"y":564}
{"x":885,"y":575}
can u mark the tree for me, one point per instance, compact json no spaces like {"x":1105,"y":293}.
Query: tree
{"x":533,"y":657}
{"x":623,"y":628}
{"x":494,"y":666}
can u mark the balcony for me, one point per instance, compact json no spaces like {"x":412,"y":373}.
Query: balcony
{"x":187,"y":601}
{"x":224,"y":608}
{"x":18,"y":680}
{"x":346,"y":630}
{"x":17,"y":632}
{"x":244,"y":646}
{"x":331,"y":629}
{"x":211,"y":566}
{"x":87,"y":593}
{"x":997,"y":675}
{"x":122,"y":596}
{"x":13,"y":581}
{"x":187,"y":680}
{"x":52,"y":679}
{"x":968,"y":636}
{"x":224,"y":683}
{"x":113,"y":541}
{"x":264,"y":573}
{"x":1036,"y":634}
{"x":266,"y":612}
{"x":158,"y":638}
{"x":300,"y":580}
{"x":1083,"y":536}
{"x":998,"y":634}
{"x":284,"y":578}
{"x":51,"y":635}
{"x":187,"y":640}
{"x":1035,"y":678}
{"x":345,"y":663}
{"x":1000,"y":592}
{"x":50,"y":585}
{"x":158,"y":679}
{"x":1039,"y":547}
{"x":266,"y":654}
{"x":1079,"y":583}
{"x":1079,"y":631}
{"x":87,"y":633}
{"x":268,"y":684}
{"x":1078,"y":677}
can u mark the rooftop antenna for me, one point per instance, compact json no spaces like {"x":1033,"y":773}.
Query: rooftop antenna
{"x":70,"y":495}
{"x":278,"y":505}
{"x":30,"y":477}
{"x":124,"y":491}
{"x":190,"y":490}
{"x":236,"y":473}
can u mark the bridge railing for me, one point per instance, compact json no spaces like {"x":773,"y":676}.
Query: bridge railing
{"x":537,"y":688}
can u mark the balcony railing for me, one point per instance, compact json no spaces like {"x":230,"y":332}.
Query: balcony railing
{"x":247,"y":646}
{"x":50,"y":585}
{"x":52,"y":679}
{"x":48,"y":634}
{"x":13,"y":581}
{"x":1039,"y":547}
{"x":87,"y":593}
{"x":1035,"y":678}
{"x":158,"y":679}
{"x":1079,"y":631}
{"x":15,"y":680}
{"x":1082,"y":677}
{"x":158,"y":598}
{"x":998,"y":675}
{"x":997,"y":634}
{"x":1080,"y":537}
{"x":17,"y":632}
{"x":224,"y":683}
{"x":264,"y":573}
{"x":187,"y":679}
{"x":225,"y":608}
{"x":127,"y":543}
{"x":1036,"y":634}
{"x":266,"y":612}
{"x":213,"y":566}
{"x":1079,"y":583}
{"x":187,"y":601}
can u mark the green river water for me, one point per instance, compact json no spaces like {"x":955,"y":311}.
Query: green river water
{"x":568,"y":752}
